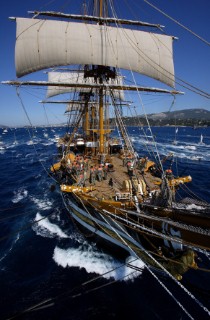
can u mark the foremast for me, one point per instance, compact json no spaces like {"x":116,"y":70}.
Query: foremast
{"x":101,"y":74}
{"x":77,"y":44}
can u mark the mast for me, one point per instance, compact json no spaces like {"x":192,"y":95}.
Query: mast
{"x":86,"y":121}
{"x":101,"y":99}
{"x":101,"y":106}
{"x":85,"y":96}
{"x":101,"y":8}
{"x":101,"y":121}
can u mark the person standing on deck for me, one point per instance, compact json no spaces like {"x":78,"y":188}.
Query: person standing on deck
{"x":81,"y":179}
{"x":169,"y":174}
{"x":99,"y":173}
{"x":92,"y":175}
{"x":105,"y":170}
{"x":130,"y":168}
{"x":86,"y":165}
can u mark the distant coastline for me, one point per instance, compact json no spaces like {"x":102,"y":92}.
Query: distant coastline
{"x":196,"y":118}
{"x":183,"y":118}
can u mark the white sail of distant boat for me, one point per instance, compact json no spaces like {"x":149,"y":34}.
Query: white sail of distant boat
{"x":15,"y":140}
{"x":201,"y":140}
{"x":5,"y":131}
{"x":175,"y":140}
{"x":2,"y":146}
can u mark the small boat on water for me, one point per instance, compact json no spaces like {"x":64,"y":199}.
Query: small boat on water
{"x":174,"y":142}
{"x":123,"y":199}
{"x":201,"y":140}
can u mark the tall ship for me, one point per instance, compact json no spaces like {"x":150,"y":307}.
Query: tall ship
{"x":127,"y":201}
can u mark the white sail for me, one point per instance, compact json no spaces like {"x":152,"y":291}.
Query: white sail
{"x":72,"y":107}
{"x":42,"y":44}
{"x":75,"y":77}
{"x":201,"y":140}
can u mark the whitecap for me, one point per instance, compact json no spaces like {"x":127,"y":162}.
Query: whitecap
{"x":20,"y":194}
{"x":30,"y":142}
{"x":196,"y":158}
{"x":29,"y":155}
{"x":190,"y":147}
{"x":97,"y":262}
{"x":18,"y":155}
{"x":47,"y":143}
{"x":42,"y":204}
{"x":47,"y":229}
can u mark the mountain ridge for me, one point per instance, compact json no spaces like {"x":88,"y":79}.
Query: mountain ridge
{"x":199,"y":114}
{"x":185,"y":117}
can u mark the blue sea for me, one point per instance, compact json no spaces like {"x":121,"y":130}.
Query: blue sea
{"x":49,"y":270}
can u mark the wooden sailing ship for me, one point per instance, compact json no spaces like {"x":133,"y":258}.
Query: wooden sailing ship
{"x":125,"y":200}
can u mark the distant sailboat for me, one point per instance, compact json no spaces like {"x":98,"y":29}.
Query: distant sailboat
{"x":2,"y":146}
{"x":201,"y":140}
{"x":175,"y":141}
{"x":15,"y":140}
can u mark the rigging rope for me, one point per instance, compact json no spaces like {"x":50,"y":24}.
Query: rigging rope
{"x":177,"y":22}
{"x":126,"y":244}
{"x":26,"y":227}
{"x":147,"y":267}
{"x":31,"y":137}
{"x":63,"y":296}
{"x":140,"y":99}
{"x":151,"y":257}
{"x":184,"y":84}
{"x":169,"y":274}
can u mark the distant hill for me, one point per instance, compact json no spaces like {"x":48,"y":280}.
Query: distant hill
{"x":197,"y":114}
{"x":187,"y":117}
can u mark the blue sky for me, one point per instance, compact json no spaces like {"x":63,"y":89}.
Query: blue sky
{"x":191,"y":55}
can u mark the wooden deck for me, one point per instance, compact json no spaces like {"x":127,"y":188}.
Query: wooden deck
{"x":119,"y":175}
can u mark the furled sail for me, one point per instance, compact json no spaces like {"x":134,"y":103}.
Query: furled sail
{"x":75,"y":77}
{"x":42,"y":44}
{"x":78,"y":105}
{"x":72,"y":108}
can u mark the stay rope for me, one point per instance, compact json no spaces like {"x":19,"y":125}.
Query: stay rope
{"x":25,"y":111}
{"x":177,"y":22}
{"x":160,"y":266}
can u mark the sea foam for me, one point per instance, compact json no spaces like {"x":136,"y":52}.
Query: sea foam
{"x":97,"y":262}
{"x":47,"y":229}
{"x":20,"y":194}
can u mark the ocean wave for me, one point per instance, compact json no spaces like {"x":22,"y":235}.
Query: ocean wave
{"x":20,"y":194}
{"x":47,"y":143}
{"x":97,"y":262}
{"x":42,"y":204}
{"x":29,"y":155}
{"x":196,"y":158}
{"x":191,"y":147}
{"x":47,"y":229}
{"x":11,"y":247}
{"x":32,"y":142}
